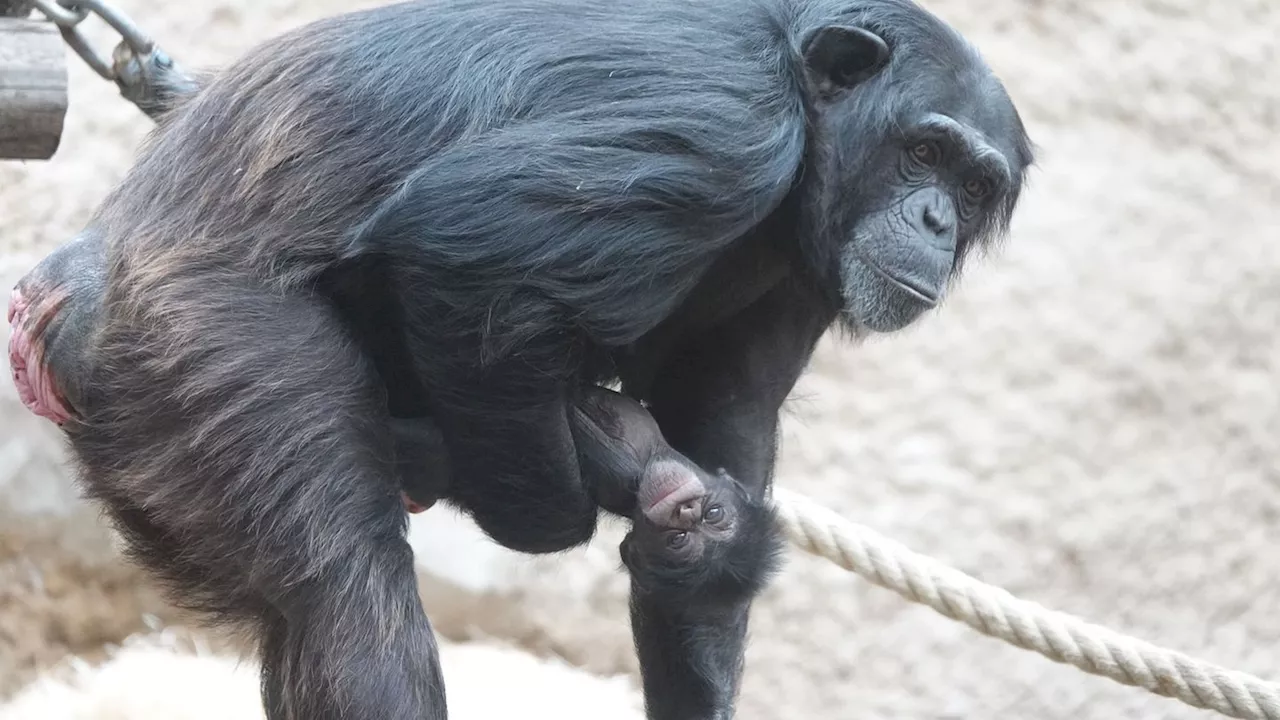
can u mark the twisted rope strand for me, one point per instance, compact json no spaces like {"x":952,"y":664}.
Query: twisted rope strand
{"x":996,"y":613}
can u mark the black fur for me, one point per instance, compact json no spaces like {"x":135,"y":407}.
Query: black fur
{"x":471,"y":210}
{"x":689,"y":604}
{"x":618,"y":445}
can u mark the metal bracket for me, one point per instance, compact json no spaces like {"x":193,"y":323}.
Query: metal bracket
{"x":146,"y":75}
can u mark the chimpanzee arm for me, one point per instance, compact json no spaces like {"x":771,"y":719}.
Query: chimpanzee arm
{"x":421,"y":460}
{"x":717,"y":401}
{"x":718,"y":395}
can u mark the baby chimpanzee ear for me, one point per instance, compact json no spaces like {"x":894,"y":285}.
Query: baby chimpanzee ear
{"x":838,"y":57}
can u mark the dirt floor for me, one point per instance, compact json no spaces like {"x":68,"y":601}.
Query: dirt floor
{"x":1091,"y":422}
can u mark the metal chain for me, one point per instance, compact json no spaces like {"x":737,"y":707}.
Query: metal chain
{"x":145,"y":74}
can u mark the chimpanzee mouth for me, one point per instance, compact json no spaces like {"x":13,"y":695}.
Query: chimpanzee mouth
{"x":927,"y":297}
{"x":913,"y":287}
{"x":666,"y":487}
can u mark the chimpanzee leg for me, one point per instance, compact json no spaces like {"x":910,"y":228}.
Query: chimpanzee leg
{"x":516,"y":467}
{"x":505,"y":425}
{"x":422,"y":461}
{"x":250,"y":429}
{"x":163,"y":551}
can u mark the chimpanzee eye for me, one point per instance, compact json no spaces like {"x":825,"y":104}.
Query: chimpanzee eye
{"x":926,"y":153}
{"x":677,"y":540}
{"x":714,"y":514}
{"x":977,"y":188}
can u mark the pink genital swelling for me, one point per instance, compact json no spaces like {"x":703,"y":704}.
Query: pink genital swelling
{"x":36,"y":387}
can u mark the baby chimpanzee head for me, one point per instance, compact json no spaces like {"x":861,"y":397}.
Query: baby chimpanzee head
{"x":699,"y":537}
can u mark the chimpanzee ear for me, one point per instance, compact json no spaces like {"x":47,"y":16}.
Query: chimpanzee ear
{"x":838,"y":57}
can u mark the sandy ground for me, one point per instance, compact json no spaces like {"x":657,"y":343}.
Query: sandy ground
{"x":1092,"y":421}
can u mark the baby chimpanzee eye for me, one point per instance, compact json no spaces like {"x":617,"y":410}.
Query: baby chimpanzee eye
{"x":677,"y":540}
{"x":714,"y":514}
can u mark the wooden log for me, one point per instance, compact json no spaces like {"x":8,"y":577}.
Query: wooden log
{"x":33,"y":89}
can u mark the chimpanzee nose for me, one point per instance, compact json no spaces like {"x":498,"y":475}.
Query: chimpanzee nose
{"x":934,"y":218}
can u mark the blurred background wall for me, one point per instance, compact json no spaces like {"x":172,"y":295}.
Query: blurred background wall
{"x":1092,"y":421}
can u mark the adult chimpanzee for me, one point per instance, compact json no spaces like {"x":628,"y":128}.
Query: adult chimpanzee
{"x":485,"y":207}
{"x":701,"y":545}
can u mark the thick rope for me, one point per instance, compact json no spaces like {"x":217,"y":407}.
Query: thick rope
{"x":994,"y":612}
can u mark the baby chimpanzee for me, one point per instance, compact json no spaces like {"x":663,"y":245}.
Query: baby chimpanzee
{"x":699,"y":550}
{"x":697,"y":537}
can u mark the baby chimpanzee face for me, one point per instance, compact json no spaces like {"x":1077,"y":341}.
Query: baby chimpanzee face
{"x":699,"y":538}
{"x":683,"y":513}
{"x":696,"y":537}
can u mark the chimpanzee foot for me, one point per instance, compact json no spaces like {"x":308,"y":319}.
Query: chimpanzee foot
{"x":36,"y":385}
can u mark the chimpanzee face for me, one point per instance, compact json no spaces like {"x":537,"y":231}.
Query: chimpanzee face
{"x":920,"y":158}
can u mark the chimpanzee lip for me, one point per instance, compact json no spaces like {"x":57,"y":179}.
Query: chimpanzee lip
{"x":663,"y":498}
{"x":924,"y":296}
{"x":659,"y":502}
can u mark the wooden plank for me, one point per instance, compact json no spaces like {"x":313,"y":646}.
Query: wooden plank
{"x":33,"y":89}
